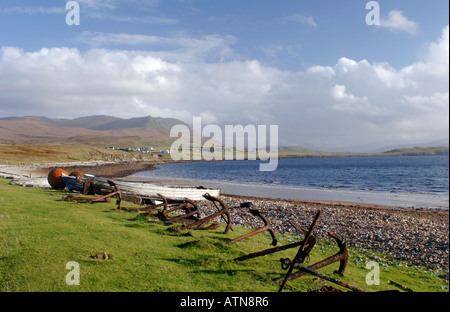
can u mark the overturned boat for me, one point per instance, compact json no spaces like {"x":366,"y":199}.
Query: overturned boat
{"x":74,"y":183}
{"x":101,"y":186}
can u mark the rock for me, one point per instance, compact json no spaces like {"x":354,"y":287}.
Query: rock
{"x":102,"y":256}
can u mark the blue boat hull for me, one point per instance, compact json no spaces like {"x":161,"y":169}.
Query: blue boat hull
{"x":72,"y":183}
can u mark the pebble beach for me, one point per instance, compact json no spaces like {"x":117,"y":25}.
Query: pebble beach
{"x":417,"y":236}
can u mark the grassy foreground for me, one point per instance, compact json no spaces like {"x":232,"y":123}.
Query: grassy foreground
{"x":40,"y":234}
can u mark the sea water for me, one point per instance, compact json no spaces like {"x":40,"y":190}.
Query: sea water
{"x":411,"y":177}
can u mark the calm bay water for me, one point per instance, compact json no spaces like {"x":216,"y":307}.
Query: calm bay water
{"x":412,"y":174}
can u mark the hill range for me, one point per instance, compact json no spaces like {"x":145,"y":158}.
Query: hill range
{"x":101,"y":131}
{"x":92,"y":130}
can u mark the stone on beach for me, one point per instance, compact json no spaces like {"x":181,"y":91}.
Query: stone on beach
{"x":418,"y":237}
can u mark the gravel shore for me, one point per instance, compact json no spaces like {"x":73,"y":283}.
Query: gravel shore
{"x":416,"y":235}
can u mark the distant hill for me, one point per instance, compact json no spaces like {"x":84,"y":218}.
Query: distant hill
{"x":89,"y":122}
{"x":161,"y":125}
{"x":419,"y":151}
{"x":102,"y":131}
{"x":441,"y":142}
{"x":296,"y":151}
{"x":92,"y":130}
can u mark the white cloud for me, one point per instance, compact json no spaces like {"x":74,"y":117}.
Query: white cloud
{"x":98,"y":4}
{"x":396,"y":21}
{"x":33,"y":10}
{"x":131,"y":19}
{"x":102,"y":39}
{"x":100,"y":9}
{"x":177,"y":48}
{"x":301,"y":18}
{"x":111,"y":10}
{"x":438,"y":51}
{"x":350,"y":103}
{"x":353,"y":102}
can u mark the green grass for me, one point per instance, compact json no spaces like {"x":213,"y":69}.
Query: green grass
{"x":40,"y":233}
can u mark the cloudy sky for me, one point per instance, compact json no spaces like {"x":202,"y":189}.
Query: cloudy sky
{"x":314,"y":68}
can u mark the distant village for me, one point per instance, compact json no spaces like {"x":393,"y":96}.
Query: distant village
{"x":142,"y":150}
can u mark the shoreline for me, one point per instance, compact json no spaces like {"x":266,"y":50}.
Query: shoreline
{"x":126,"y":170}
{"x":313,"y":195}
{"x":408,"y":234}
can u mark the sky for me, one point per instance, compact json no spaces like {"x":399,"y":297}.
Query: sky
{"x":316,"y":68}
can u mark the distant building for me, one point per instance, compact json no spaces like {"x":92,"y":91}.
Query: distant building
{"x":141,"y":150}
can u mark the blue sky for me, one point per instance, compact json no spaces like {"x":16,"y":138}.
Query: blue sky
{"x":288,"y":34}
{"x":314,"y":66}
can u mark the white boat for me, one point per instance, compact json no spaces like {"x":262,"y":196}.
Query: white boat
{"x":152,"y":190}
{"x":172,"y":192}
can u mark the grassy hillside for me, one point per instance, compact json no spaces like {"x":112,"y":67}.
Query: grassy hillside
{"x":40,"y":234}
{"x":100,"y":131}
{"x":418,"y":151}
{"x":122,"y":141}
{"x":27,"y":154}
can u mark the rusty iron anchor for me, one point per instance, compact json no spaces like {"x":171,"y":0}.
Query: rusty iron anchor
{"x":84,"y":198}
{"x":287,"y":263}
{"x":341,"y":256}
{"x":267,"y":227}
{"x":189,"y":207}
{"x":224,"y":211}
{"x":102,"y":199}
{"x":309,"y":246}
{"x":116,"y":192}
{"x":301,"y":254}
